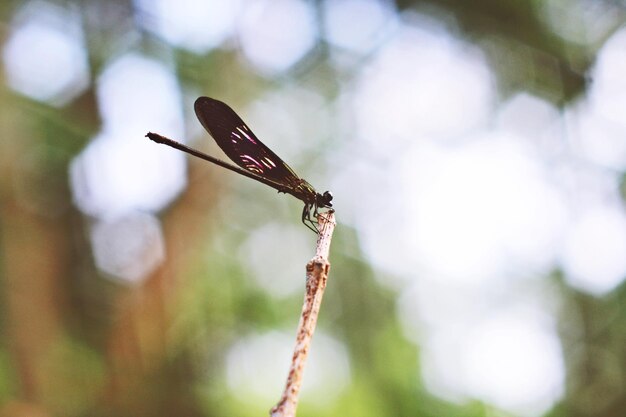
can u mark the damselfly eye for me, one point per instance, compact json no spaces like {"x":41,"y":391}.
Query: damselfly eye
{"x":327,"y":197}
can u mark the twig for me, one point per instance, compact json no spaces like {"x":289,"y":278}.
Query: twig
{"x":316,"y":276}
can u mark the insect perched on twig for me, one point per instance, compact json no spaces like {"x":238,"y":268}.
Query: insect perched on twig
{"x":254,"y":159}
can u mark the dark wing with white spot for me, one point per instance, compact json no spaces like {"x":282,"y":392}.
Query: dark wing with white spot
{"x":240,"y":144}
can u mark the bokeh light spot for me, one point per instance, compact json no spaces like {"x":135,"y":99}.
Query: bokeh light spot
{"x":512,"y":359}
{"x":275,"y":35}
{"x":276,"y":274}
{"x":44,"y":56}
{"x":374,"y":17}
{"x":196,"y":25}
{"x":136,"y":93}
{"x":255,"y":366}
{"x":401,"y":98}
{"x":128,"y":248}
{"x":594,"y":256}
{"x":118,"y":174}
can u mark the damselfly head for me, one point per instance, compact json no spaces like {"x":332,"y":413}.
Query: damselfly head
{"x":324,"y":200}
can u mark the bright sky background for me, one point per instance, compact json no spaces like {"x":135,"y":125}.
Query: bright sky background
{"x":465,"y":200}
